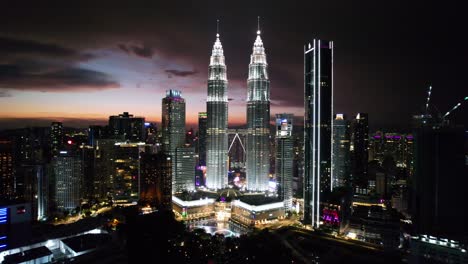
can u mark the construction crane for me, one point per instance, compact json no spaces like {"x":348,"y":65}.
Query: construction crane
{"x":455,"y":107}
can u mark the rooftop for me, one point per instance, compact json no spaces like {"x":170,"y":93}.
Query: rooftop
{"x":27,"y":255}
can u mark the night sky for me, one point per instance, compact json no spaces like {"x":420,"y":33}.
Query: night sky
{"x":80,"y":64}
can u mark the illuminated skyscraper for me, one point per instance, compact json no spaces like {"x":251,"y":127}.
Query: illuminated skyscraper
{"x":284,"y":158}
{"x":340,"y":156}
{"x":258,"y":119}
{"x":318,"y":59}
{"x":217,"y":120}
{"x":173,"y":121}
{"x":56,"y":137}
{"x":173,"y":128}
{"x":68,"y":174}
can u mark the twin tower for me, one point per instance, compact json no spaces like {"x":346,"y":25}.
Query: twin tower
{"x":258,"y":120}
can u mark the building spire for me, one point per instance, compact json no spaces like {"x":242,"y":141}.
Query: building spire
{"x":258,"y":25}
{"x":217,"y":28}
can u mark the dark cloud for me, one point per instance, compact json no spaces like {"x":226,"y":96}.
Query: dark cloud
{"x":230,"y":99}
{"x":21,"y":77}
{"x":5,"y":94}
{"x":10,"y":47}
{"x":180,"y":73}
{"x":144,"y":50}
{"x":39,"y":66}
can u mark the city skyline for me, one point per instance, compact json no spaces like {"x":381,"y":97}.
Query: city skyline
{"x":91,"y":70}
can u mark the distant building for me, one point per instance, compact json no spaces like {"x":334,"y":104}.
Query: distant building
{"x":130,"y":127}
{"x":95,"y":133}
{"x":68,"y":173}
{"x":360,"y":152}
{"x":284,"y":158}
{"x":156,"y":179}
{"x":318,"y":77}
{"x":341,"y":162}
{"x":7,"y":173}
{"x":201,"y":144}
{"x":126,"y":171}
{"x":56,"y":137}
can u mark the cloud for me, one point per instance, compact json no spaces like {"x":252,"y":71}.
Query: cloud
{"x":143,"y":50}
{"x":40,"y":66}
{"x":180,"y":73}
{"x":10,"y":47}
{"x":22,"y":77}
{"x":4,"y":94}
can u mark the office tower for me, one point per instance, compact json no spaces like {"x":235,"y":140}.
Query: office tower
{"x":360,"y":152}
{"x":7,"y":174}
{"x":284,"y":158}
{"x":88,"y":157}
{"x":95,"y":133}
{"x":340,"y":155}
{"x":126,"y":171}
{"x":202,"y":134}
{"x":173,"y":121}
{"x":104,"y":160}
{"x":439,"y":205}
{"x":56,"y":137}
{"x":68,"y":173}
{"x":156,"y":180}
{"x":318,"y":59}
{"x":129,"y":127}
{"x":217,"y":120}
{"x":185,"y":169}
{"x":258,"y":120}
{"x":173,"y":128}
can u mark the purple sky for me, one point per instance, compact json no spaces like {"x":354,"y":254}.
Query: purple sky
{"x":80,"y":64}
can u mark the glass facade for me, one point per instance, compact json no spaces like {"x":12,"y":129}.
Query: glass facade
{"x":318,"y":60}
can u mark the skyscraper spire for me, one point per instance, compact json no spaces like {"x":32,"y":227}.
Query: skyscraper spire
{"x":258,"y":25}
{"x":217,"y":28}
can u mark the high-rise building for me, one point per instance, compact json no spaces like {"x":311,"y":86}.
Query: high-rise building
{"x":156,"y":179}
{"x":217,"y":120}
{"x":128,"y":126}
{"x":360,"y":152}
{"x":258,"y":120}
{"x":439,"y":205}
{"x":202,"y":134}
{"x":185,"y":170}
{"x":173,"y":129}
{"x":56,"y":137}
{"x":7,"y":174}
{"x":318,"y":59}
{"x":173,"y":121}
{"x":68,"y":174}
{"x":284,"y":158}
{"x":126,"y":171}
{"x":341,"y":161}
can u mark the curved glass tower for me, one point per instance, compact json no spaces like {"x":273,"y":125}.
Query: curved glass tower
{"x":217,"y":120}
{"x":258,"y":119}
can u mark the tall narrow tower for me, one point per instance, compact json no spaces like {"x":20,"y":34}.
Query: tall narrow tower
{"x":217,"y":120}
{"x":318,"y":104}
{"x":258,"y":119}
